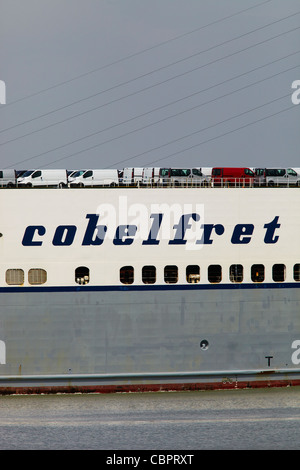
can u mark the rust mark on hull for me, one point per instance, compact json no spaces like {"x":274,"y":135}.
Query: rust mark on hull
{"x":138,"y":388}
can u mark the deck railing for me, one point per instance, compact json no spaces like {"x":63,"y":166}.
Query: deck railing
{"x":206,"y":182}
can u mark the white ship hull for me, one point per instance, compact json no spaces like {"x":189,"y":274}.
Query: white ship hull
{"x":64,"y":329}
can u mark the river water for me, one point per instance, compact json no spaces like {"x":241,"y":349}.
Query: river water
{"x":180,"y":421}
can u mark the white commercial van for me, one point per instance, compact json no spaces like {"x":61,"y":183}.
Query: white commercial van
{"x":43,"y":178}
{"x":7,"y":178}
{"x":182,"y":176}
{"x":276,"y":177}
{"x":85,"y":178}
{"x":132,"y":175}
{"x":150,"y":176}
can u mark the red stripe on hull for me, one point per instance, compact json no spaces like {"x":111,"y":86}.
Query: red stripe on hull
{"x":138,"y":388}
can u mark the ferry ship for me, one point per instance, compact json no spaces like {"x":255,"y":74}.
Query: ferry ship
{"x":145,"y":289}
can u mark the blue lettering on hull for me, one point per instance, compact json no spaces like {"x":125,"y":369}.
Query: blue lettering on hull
{"x":64,"y":235}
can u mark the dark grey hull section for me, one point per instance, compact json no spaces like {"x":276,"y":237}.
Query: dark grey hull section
{"x":106,"y":339}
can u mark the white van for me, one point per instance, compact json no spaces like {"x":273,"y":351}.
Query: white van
{"x":182,"y":176}
{"x":46,"y":178}
{"x":150,"y":176}
{"x":85,"y":178}
{"x":276,"y":177}
{"x":7,"y":178}
{"x":206,"y":171}
{"x":132,"y":175}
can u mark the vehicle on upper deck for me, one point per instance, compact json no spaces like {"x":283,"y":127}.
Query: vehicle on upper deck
{"x":94,"y":178}
{"x":276,"y":177}
{"x":8,"y":178}
{"x":132,"y":176}
{"x":43,"y":178}
{"x":150,"y":176}
{"x":232,"y":176}
{"x":182,"y":177}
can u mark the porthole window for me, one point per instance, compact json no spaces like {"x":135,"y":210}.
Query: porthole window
{"x":14,"y":277}
{"x":257,"y":272}
{"x":82,"y":275}
{"x":149,"y":274}
{"x":214,"y":273}
{"x":278,"y":272}
{"x":236,"y":273}
{"x":297,"y":272}
{"x":37,"y":276}
{"x":193,"y":273}
{"x":171,"y":274}
{"x":127,"y":275}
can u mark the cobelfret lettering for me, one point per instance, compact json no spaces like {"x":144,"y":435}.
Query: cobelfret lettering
{"x":181,"y":228}
{"x":271,"y":227}
{"x":94,"y":234}
{"x":152,"y":237}
{"x":207,"y":231}
{"x":64,"y":235}
{"x":239,"y":232}
{"x":30,"y":233}
{"x":124,"y":234}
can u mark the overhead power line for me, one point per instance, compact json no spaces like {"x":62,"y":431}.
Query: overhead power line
{"x":184,"y":137}
{"x":209,"y":127}
{"x":159,"y":121}
{"x":135,"y":54}
{"x":163,"y":67}
{"x":222,"y":135}
{"x":155,"y":109}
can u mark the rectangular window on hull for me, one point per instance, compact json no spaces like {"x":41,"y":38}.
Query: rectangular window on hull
{"x":214,"y":273}
{"x":257,"y":272}
{"x":37,"y":276}
{"x":278,"y":272}
{"x":236,"y":273}
{"x":297,"y":272}
{"x":82,"y":275}
{"x":171,"y":274}
{"x":193,"y":273}
{"x":14,"y":277}
{"x":126,"y":275}
{"x":149,"y":274}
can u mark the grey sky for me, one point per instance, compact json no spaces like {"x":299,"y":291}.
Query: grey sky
{"x":116,"y":83}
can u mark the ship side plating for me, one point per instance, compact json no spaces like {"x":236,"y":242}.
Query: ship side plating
{"x":149,"y":288}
